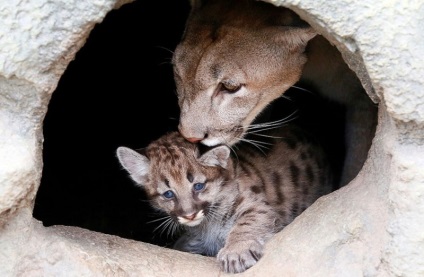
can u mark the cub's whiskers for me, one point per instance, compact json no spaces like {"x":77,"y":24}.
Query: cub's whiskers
{"x":168,"y":225}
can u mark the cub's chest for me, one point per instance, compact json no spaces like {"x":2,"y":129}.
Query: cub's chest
{"x":213,"y":234}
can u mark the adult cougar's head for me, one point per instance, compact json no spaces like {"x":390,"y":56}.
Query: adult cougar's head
{"x":234,"y":59}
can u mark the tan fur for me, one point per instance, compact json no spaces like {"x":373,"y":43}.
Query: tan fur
{"x":260,"y":48}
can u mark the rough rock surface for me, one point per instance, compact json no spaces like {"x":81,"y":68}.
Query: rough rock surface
{"x":372,"y":227}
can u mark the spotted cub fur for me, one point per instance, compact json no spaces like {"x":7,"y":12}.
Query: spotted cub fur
{"x":230,"y":204}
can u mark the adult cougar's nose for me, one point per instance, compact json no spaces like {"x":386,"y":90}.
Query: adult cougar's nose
{"x":193,"y":138}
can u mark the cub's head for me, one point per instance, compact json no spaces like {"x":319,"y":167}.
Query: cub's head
{"x":234,"y":59}
{"x":177,"y":178}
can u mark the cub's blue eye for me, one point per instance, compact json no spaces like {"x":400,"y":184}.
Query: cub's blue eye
{"x":168,"y":194}
{"x":198,"y":186}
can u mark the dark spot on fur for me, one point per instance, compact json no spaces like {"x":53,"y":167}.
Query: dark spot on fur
{"x":294,"y":170}
{"x":238,"y":202}
{"x":173,"y":163}
{"x":256,"y":189}
{"x":276,"y":178}
{"x":204,"y":205}
{"x":282,"y":213}
{"x":166,"y":181}
{"x":295,"y":209}
{"x":303,"y":156}
{"x":248,"y":211}
{"x":223,"y":184}
{"x":190,"y":177}
{"x":165,"y":158}
{"x":248,"y":167}
{"x":229,"y":214}
{"x":310,"y":174}
{"x":166,"y":144}
{"x":245,"y":169}
{"x":175,"y":155}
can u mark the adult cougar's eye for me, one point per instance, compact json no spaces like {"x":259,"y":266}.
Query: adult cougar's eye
{"x":229,"y":87}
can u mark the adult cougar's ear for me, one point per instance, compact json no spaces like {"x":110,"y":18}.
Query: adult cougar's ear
{"x":293,"y":37}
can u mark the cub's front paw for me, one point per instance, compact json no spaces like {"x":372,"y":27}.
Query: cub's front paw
{"x":239,"y":256}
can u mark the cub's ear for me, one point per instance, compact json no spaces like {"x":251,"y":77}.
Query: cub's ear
{"x":294,"y":37}
{"x":217,"y":156}
{"x":135,"y":163}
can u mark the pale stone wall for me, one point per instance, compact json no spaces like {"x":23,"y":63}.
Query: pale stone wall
{"x":372,"y":227}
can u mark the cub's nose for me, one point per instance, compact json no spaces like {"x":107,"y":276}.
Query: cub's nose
{"x":190,"y":216}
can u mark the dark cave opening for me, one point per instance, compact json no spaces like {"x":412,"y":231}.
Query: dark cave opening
{"x":119,"y":91}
